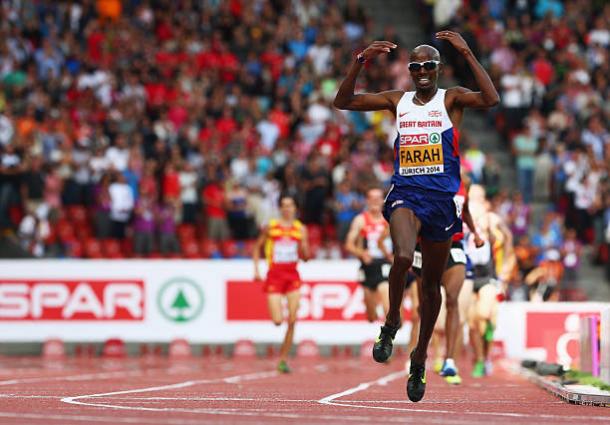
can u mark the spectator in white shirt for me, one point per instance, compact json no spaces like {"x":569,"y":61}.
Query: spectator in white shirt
{"x":121,"y":205}
{"x":118,"y":155}
{"x":188,"y":192}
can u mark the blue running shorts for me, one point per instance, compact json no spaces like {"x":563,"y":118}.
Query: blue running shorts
{"x":438,"y":213}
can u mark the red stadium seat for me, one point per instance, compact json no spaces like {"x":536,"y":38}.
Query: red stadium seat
{"x":229,"y":249}
{"x":190,"y":249}
{"x":186,"y":232}
{"x":77,"y":214}
{"x":127,"y":247}
{"x":93,"y":248}
{"x":249,"y":247}
{"x":112,"y":248}
{"x":74,"y":249}
{"x":209,"y":248}
{"x":65,"y":231}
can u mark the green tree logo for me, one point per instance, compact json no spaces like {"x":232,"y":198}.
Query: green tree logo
{"x":180,"y":304}
{"x":435,"y":138}
{"x":180,"y":300}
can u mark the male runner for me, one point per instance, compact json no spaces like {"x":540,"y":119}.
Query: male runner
{"x":494,"y":259}
{"x":426,"y":178}
{"x":363,"y":241}
{"x":452,"y":281}
{"x":285,"y":241}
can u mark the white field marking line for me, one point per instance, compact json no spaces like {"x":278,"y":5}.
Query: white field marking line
{"x":384,"y":380}
{"x":108,"y":419}
{"x":80,"y":377}
{"x":272,"y":400}
{"x":230,"y":380}
{"x":170,"y":421}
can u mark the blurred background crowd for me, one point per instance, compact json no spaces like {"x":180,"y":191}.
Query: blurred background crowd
{"x":169,"y":128}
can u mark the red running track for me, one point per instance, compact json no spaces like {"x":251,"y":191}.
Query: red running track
{"x":213,"y":391}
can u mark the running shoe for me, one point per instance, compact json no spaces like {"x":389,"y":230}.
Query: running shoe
{"x":489,"y":367}
{"x":489,"y":332}
{"x":479,"y":369}
{"x":416,"y":384}
{"x":382,"y":349}
{"x":438,"y":365}
{"x":282,"y":367}
{"x":453,"y":380}
{"x":449,"y":368}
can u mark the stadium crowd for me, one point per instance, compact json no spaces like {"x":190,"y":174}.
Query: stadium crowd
{"x":551,"y":61}
{"x":169,"y":128}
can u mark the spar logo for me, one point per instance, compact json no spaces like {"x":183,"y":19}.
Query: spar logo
{"x":555,"y":335}
{"x":320,"y":301}
{"x":435,"y":138}
{"x":180,"y":300}
{"x":71,"y":299}
{"x":414,"y":139}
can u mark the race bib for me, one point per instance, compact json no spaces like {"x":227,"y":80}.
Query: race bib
{"x":385,"y":270}
{"x":420,"y":154}
{"x":458,"y":255}
{"x":570,"y":260}
{"x":479,"y":256}
{"x":285,"y":252}
{"x":417,"y":261}
{"x":459,"y":201}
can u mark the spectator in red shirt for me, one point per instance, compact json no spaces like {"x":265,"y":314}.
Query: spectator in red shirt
{"x":543,"y":69}
{"x":214,"y":201}
{"x":171,"y":183}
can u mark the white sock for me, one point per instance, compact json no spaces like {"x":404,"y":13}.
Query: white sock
{"x":450,"y":363}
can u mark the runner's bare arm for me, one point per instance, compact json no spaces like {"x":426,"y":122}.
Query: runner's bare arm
{"x":487,"y":96}
{"x":304,"y":245}
{"x":256,"y":252}
{"x":346,"y":99}
{"x":510,"y":259}
{"x":478,"y":242}
{"x":382,"y":246}
{"x":352,"y":237}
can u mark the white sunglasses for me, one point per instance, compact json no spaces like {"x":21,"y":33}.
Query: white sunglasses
{"x":428,"y":65}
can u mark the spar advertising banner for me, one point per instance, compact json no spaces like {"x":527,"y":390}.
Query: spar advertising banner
{"x":544,"y":331}
{"x":159,"y":300}
{"x":216,"y":301}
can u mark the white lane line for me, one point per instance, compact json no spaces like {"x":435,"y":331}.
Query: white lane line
{"x":110,"y":419}
{"x":384,"y":380}
{"x":79,"y":377}
{"x":230,"y":380}
{"x":272,"y":400}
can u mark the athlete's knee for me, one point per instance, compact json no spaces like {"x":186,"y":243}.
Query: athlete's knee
{"x":292,"y":320}
{"x":451,"y":302}
{"x":431,"y":290}
{"x":402,"y":261}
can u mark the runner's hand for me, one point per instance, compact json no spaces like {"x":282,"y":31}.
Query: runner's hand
{"x":455,"y":39}
{"x":478,"y":242}
{"x":376,"y":48}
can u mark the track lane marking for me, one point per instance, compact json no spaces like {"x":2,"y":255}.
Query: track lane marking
{"x":384,"y":380}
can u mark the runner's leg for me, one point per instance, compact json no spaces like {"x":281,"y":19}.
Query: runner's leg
{"x":453,"y":280}
{"x":383,"y":296}
{"x":274,"y":302}
{"x":293,"y":298}
{"x":370,"y":302}
{"x":404,"y":227}
{"x":434,"y":260}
